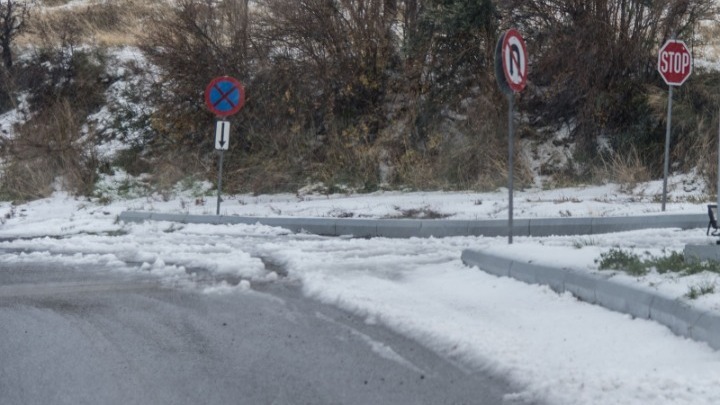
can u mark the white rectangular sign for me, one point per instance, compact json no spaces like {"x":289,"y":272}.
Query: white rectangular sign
{"x":222,"y":135}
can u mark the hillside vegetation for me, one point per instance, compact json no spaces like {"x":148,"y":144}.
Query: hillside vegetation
{"x":359,"y":94}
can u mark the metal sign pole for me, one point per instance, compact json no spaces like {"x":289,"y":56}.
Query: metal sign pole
{"x":219,"y":187}
{"x":511,"y":153}
{"x":224,"y":96}
{"x":511,"y":70}
{"x":667,"y":147}
{"x":718,"y":168}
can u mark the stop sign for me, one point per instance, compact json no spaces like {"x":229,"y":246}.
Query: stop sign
{"x":675,"y":62}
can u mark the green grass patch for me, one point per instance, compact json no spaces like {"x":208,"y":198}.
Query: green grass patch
{"x":704,"y":288}
{"x":622,"y":260}
{"x":670,"y":263}
{"x":629,"y":262}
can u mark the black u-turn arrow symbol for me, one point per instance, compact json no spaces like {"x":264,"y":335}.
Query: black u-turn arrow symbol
{"x":515,"y":56}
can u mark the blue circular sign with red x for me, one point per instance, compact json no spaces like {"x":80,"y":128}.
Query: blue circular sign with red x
{"x":224,"y":96}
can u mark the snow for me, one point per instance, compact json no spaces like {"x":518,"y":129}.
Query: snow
{"x":14,"y":117}
{"x":552,"y":347}
{"x":120,"y":122}
{"x":597,"y":201}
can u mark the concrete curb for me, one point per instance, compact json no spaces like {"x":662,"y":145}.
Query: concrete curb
{"x":424,"y":228}
{"x":681,"y":318}
{"x":702,"y":252}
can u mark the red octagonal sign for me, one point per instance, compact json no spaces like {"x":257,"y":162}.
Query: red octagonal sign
{"x":675,"y":62}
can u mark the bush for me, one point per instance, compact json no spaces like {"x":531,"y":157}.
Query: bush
{"x":696,"y":291}
{"x":618,"y":259}
{"x":53,"y":148}
{"x":674,"y":262}
{"x":335,"y":95}
{"x":49,"y":148}
{"x":623,"y":260}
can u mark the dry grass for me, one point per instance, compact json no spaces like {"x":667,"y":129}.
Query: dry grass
{"x":47,"y":149}
{"x":99,"y":22}
{"x":705,"y":147}
{"x":626,"y":169}
{"x":169,"y":169}
{"x":53,"y":3}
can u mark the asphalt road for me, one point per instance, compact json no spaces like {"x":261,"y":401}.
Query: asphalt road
{"x":88,"y":336}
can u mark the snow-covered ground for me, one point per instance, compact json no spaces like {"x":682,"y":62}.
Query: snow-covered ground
{"x":552,"y":346}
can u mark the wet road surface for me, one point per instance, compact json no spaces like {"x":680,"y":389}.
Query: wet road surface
{"x":89,"y":336}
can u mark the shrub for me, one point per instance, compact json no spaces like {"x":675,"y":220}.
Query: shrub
{"x":618,"y":259}
{"x":623,"y":260}
{"x":696,"y":291}
{"x":51,"y":147}
{"x":674,"y":262}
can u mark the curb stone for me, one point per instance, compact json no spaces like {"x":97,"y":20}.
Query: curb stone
{"x":437,"y":228}
{"x":680,"y":317}
{"x":702,"y":252}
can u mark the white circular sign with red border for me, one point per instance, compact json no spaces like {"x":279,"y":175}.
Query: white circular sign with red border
{"x":514,"y":60}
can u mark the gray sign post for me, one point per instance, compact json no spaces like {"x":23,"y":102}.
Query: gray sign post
{"x":511,"y":70}
{"x":224,"y":96}
{"x":675,"y":65}
{"x":666,"y":164}
{"x":222,"y":143}
{"x":511,"y":164}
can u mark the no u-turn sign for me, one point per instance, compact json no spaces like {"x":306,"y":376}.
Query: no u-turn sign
{"x":511,"y":71}
{"x":511,"y":62}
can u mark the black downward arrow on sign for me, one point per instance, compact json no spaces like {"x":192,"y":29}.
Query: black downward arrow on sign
{"x":222,"y":140}
{"x":222,"y":135}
